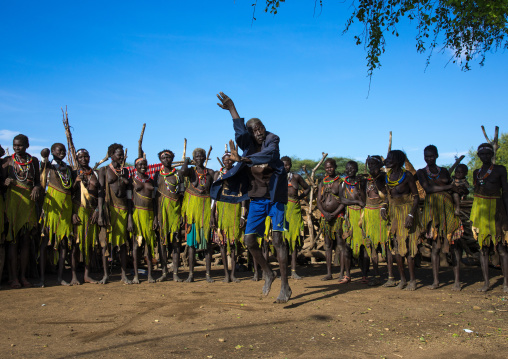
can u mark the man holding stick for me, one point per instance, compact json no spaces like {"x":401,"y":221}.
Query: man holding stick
{"x":267,"y":185}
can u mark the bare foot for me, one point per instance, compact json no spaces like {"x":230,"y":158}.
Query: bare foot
{"x":456,"y":287}
{"x":284,"y":295}
{"x":25,"y":283}
{"x":62,"y":282}
{"x":90,"y":280}
{"x":402,"y":284}
{"x":226,"y":279}
{"x":269,"y":278}
{"x":150,"y":279}
{"x":411,"y":286}
{"x":295,"y":276}
{"x":125,"y":280}
{"x":135,"y":280}
{"x":505,"y":288}
{"x":433,"y":286}
{"x":255,"y":278}
{"x":209,"y":279}
{"x":327,"y":277}
{"x":162,"y":278}
{"x":390,"y":282}
{"x":485,"y":287}
{"x":234,"y":279}
{"x":190,"y":279}
{"x":176,"y":278}
{"x":74,"y":281}
{"x":104,"y":280}
{"x":15,"y":284}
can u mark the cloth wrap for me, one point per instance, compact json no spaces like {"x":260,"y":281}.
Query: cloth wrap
{"x":228,"y":223}
{"x":486,"y":217}
{"x":85,"y":233}
{"x":197,"y":211}
{"x":20,"y":210}
{"x":439,"y":220}
{"x":399,"y":209}
{"x":170,"y":214}
{"x":355,"y":237}
{"x":142,"y":218}
{"x":293,"y":212}
{"x":57,"y":215}
{"x":375,"y":227}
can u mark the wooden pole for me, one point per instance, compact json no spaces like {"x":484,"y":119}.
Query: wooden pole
{"x":457,"y":161}
{"x":140,"y":142}
{"x":494,"y":143}
{"x":390,"y":142}
{"x":184,"y":149}
{"x":71,"y":155}
{"x":97,"y":164}
{"x":208,"y":156}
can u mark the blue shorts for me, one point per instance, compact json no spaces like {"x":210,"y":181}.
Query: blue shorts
{"x":259,"y":209}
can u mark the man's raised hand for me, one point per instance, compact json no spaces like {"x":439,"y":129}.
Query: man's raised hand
{"x":234,"y":151}
{"x":226,"y":102}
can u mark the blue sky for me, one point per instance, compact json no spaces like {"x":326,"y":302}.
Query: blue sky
{"x":118,"y":64}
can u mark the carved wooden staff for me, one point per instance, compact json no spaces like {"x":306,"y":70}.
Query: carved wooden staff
{"x":494,"y":142}
{"x":208,"y":156}
{"x":140,"y":142}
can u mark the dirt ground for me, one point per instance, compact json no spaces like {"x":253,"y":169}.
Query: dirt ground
{"x":233,"y":320}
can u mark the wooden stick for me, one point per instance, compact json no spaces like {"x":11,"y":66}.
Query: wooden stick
{"x":390,"y":142}
{"x":125,"y":158}
{"x":457,"y":161}
{"x":220,"y":162}
{"x":184,"y":149}
{"x":7,"y":151}
{"x":97,"y":164}
{"x":208,"y":156}
{"x":494,"y":142}
{"x":318,"y":165}
{"x":71,"y":156}
{"x":140,"y":141}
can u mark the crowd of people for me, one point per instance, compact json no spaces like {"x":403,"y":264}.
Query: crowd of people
{"x":361,"y":217}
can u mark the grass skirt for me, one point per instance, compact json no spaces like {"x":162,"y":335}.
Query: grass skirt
{"x":399,"y":209}
{"x":375,"y":227}
{"x":439,"y":219}
{"x":117,"y":230}
{"x":333,"y":228}
{"x":486,"y":220}
{"x":353,"y":223}
{"x":170,"y":214}
{"x":57,"y":215}
{"x":143,"y":227}
{"x":85,"y":233}
{"x":197,"y":211}
{"x":293,"y":215}
{"x":20,"y":211}
{"x":229,"y":232}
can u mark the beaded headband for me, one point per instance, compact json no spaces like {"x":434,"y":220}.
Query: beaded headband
{"x":138,"y":159}
{"x":82,"y":150}
{"x":226,"y":154}
{"x":168,"y":153}
{"x":374,"y":158}
{"x":486,"y":148}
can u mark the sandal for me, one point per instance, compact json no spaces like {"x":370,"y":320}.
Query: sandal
{"x":345,"y":280}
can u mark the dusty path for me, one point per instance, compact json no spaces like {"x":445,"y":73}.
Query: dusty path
{"x":219,"y":320}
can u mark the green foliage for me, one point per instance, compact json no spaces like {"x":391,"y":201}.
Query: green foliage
{"x":320,"y":173}
{"x":501,"y":157}
{"x":469,"y":29}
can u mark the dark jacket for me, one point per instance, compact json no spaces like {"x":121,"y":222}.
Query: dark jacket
{"x":238,"y":177}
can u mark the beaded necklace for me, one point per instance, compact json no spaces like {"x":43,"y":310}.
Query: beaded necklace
{"x":65,"y":178}
{"x":349,"y":184}
{"x":118,"y":172}
{"x":22,"y":167}
{"x":142,"y":180}
{"x":433,"y":176}
{"x":290,"y":179}
{"x":201,"y":177}
{"x":325,"y":181}
{"x":487,"y":174}
{"x":395,"y":183}
{"x":166,"y":175}
{"x":87,"y":174}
